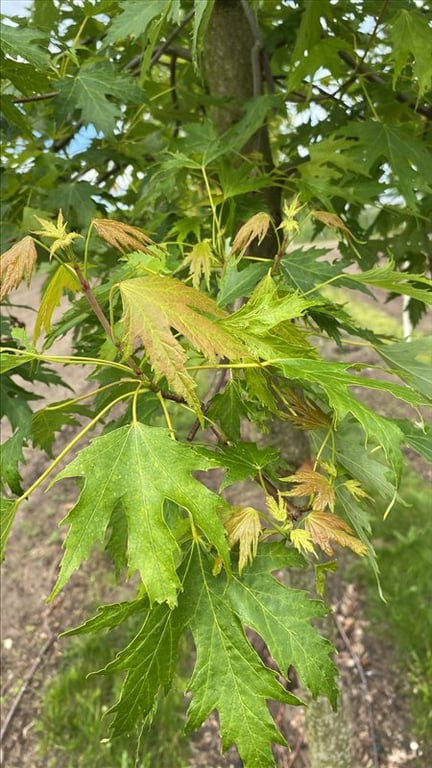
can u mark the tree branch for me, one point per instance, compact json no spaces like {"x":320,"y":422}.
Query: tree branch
{"x":373,"y":77}
{"x":37,"y":97}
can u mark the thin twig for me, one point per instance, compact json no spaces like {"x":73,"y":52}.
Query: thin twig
{"x":37,"y":97}
{"x":364,"y":682}
{"x":373,"y":77}
{"x":162,"y":48}
{"x":27,"y":680}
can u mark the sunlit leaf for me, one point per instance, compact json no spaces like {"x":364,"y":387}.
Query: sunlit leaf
{"x":63,"y":279}
{"x":155,"y":304}
{"x":311,"y":483}
{"x":244,"y":527}
{"x":122,"y":236}
{"x":16,"y":264}
{"x":326,"y":530}
{"x":139,"y":467}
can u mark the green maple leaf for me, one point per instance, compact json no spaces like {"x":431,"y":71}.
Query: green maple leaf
{"x":134,"y":19}
{"x":88,"y":91}
{"x":409,"y":160}
{"x":229,"y":676}
{"x":244,"y":460}
{"x":63,"y":279}
{"x":20,"y":42}
{"x":236,"y":283}
{"x":282,"y":616}
{"x":304,"y":270}
{"x":151,"y":661}
{"x":152,"y":306}
{"x":229,"y":408}
{"x":334,"y":379}
{"x":417,"y":437}
{"x":404,"y":283}
{"x":411,"y":36}
{"x":266,"y":309}
{"x":46,"y":422}
{"x":139,"y":467}
{"x":373,"y":475}
{"x":412,"y":362}
{"x":8,"y":510}
{"x":11,"y":456}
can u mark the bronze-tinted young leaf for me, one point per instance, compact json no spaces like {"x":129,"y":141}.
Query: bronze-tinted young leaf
{"x":305,"y":414}
{"x":256,"y":227}
{"x":331,"y":220}
{"x":244,"y":526}
{"x":311,"y":483}
{"x":327,"y":529}
{"x":16,"y":263}
{"x":200,"y":260}
{"x":122,"y":236}
{"x":152,"y":306}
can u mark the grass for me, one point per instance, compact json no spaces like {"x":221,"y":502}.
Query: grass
{"x":403,"y":545}
{"x":73,"y":730}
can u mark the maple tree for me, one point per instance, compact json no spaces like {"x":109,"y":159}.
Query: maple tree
{"x":163,"y":160}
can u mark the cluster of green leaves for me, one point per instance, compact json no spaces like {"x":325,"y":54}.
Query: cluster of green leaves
{"x":189,"y":332}
{"x":204,"y":564}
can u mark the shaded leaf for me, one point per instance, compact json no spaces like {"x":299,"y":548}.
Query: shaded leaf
{"x":8,"y":510}
{"x":21,"y":43}
{"x":229,"y":408}
{"x":418,"y":437}
{"x":134,"y":19}
{"x":410,"y":162}
{"x":412,"y":43}
{"x":412,"y":362}
{"x":11,"y":456}
{"x":51,"y":419}
{"x":89,"y":90}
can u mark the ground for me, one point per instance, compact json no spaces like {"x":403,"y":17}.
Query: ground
{"x":374,"y":692}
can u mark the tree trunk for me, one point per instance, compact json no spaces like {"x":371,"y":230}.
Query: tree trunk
{"x":232,"y":49}
{"x":233,"y":73}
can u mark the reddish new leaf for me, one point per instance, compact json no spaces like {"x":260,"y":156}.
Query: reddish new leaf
{"x":327,"y":529}
{"x":152,"y":307}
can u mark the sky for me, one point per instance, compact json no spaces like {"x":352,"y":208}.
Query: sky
{"x":15,"y":7}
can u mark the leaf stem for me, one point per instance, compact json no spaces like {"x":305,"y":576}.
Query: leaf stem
{"x":215,"y":223}
{"x":69,"y":447}
{"x":72,"y":400}
{"x":166,"y":415}
{"x":96,"y":307}
{"x":68,"y":359}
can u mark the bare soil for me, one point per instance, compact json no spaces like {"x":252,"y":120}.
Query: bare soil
{"x":375,"y":693}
